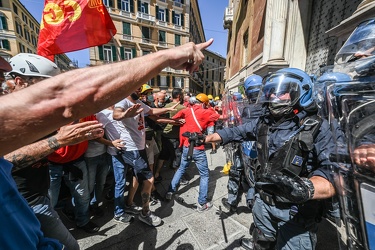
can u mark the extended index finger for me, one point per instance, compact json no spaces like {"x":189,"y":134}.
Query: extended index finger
{"x":205,"y":45}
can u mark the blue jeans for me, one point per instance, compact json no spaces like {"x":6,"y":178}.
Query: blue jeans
{"x":119,"y":171}
{"x":279,"y":224}
{"x":98,"y":167}
{"x":200,"y":159}
{"x":78,"y":189}
{"x":51,"y":225}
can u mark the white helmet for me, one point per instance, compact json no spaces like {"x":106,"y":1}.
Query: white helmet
{"x":27,"y":64}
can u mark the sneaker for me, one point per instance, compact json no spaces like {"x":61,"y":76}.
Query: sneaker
{"x":124,"y":218}
{"x":133,"y":209}
{"x":213,"y":152}
{"x":183,"y":181}
{"x":150,"y":219}
{"x":90,"y":227}
{"x":247,"y":243}
{"x":204,"y":207}
{"x":228,"y":206}
{"x":168,"y":196}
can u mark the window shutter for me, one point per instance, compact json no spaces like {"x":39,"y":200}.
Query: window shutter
{"x":152,"y":81}
{"x":146,"y":7}
{"x":168,"y":81}
{"x":110,"y":2}
{"x":134,"y":52}
{"x":4,"y":22}
{"x":126,"y":28}
{"x":173,"y":18}
{"x":101,"y":56}
{"x":132,"y":6}
{"x":158,"y":80}
{"x":167,"y":15}
{"x":119,"y":4}
{"x":173,"y":81}
{"x":139,"y":6}
{"x":122,"y":53}
{"x":182,"y":1}
{"x":114,"y":54}
{"x":157,"y":12}
{"x":6,"y":44}
{"x":182,"y":20}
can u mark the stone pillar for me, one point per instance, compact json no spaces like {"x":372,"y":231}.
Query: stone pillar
{"x":279,"y":12}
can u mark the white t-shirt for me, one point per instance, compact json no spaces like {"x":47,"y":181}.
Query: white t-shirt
{"x":111,"y":128}
{"x":132,"y":129}
{"x":95,"y":149}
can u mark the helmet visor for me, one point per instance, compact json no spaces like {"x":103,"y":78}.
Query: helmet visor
{"x":280,"y":89}
{"x":361,"y":43}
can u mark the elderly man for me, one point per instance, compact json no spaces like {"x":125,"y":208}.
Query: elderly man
{"x":52,"y":103}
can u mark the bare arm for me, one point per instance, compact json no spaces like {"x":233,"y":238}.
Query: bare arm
{"x":323,"y":188}
{"x":67,"y":135}
{"x":120,"y":113}
{"x":59,"y":100}
{"x":159,"y":111}
{"x":213,"y":138}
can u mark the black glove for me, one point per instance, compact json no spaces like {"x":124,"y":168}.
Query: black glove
{"x":201,"y":138}
{"x":296,"y":189}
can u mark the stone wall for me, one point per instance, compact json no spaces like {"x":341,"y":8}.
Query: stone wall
{"x":326,"y":15}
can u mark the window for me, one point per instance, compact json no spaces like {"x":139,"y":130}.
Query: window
{"x":163,"y":81}
{"x":24,"y":18}
{"x":178,"y":82}
{"x":4,"y":44}
{"x":108,"y":3}
{"x":177,"y":19}
{"x":161,"y":15}
{"x":245,"y":48}
{"x":15,"y":9}
{"x":32,"y":25}
{"x":145,"y":34}
{"x":107,"y":53}
{"x":3,"y":22}
{"x":143,"y":7}
{"x":161,"y":36}
{"x":19,"y":29}
{"x":125,"y":5}
{"x":127,"y":54}
{"x":22,"y":48}
{"x":177,"y":40}
{"x":146,"y":52}
{"x":126,"y":30}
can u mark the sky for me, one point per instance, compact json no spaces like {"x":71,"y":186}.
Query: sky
{"x":212,"y":14}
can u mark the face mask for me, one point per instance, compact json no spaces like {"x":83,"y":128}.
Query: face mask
{"x":134,"y":96}
{"x":160,"y":104}
{"x":280,"y":109}
{"x":150,"y":98}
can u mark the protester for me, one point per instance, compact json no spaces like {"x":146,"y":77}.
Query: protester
{"x":51,"y":104}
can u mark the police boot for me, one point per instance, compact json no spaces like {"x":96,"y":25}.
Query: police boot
{"x":247,"y":243}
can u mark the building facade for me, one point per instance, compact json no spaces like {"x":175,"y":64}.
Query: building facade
{"x":143,"y":27}
{"x":19,"y":32}
{"x":267,"y":35}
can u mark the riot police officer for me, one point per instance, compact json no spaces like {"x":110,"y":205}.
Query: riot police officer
{"x":241,"y":173}
{"x":293,"y":147}
{"x":353,"y":107}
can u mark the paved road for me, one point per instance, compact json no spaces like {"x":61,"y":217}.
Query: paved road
{"x":183,"y":228}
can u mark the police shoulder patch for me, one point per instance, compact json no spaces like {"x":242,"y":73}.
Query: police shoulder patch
{"x":297,"y":160}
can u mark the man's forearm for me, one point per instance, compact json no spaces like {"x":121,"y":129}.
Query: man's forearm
{"x":32,"y":153}
{"x":323,"y":188}
{"x":213,"y":138}
{"x":54,"y":102}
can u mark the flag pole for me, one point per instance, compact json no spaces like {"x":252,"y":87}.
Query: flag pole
{"x":116,"y":46}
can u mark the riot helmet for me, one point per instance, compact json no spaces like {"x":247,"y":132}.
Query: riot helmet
{"x":286,"y":90}
{"x":252,"y":86}
{"x":237,"y":96}
{"x":26,"y":64}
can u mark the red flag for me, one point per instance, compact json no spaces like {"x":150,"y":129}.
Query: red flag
{"x":73,"y":25}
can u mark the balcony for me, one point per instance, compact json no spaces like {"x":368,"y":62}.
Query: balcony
{"x":162,"y":44}
{"x":177,"y":4}
{"x":161,"y":23}
{"x":228,"y":17}
{"x":125,"y":13}
{"x":143,"y":17}
{"x":146,"y":40}
{"x":177,"y":27}
{"x":163,"y":1}
{"x":127,"y":37}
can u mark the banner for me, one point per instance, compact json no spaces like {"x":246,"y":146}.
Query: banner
{"x":72,"y":25}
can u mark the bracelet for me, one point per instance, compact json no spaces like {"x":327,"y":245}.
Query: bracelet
{"x":310,"y":187}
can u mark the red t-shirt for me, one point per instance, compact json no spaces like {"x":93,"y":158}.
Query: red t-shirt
{"x":72,"y":152}
{"x":204,"y":118}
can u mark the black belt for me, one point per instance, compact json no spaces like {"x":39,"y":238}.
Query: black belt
{"x":270,"y":199}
